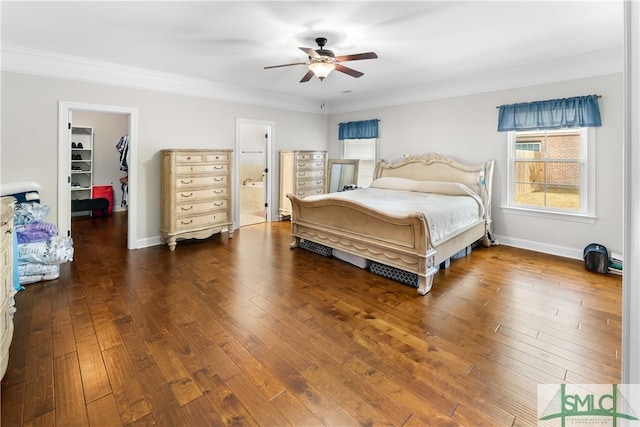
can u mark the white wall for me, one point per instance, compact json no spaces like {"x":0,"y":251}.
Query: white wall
{"x":631,"y":278}
{"x":29,"y":133}
{"x":29,"y":143}
{"x":465,"y":129}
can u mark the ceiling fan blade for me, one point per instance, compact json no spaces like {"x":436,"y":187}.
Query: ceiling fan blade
{"x":284,"y":65}
{"x":347,"y":70}
{"x":312,"y":53}
{"x":307,"y":76}
{"x":356,"y":56}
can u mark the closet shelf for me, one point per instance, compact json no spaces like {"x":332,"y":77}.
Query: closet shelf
{"x":81,"y":166}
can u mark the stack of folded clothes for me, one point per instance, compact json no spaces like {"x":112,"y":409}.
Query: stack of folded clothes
{"x":40,"y":249}
{"x":22,"y":191}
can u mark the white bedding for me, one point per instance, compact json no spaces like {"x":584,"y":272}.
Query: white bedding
{"x":56,"y":250}
{"x":445,"y":213}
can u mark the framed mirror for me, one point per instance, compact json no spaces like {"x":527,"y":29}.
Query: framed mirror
{"x":342,"y":173}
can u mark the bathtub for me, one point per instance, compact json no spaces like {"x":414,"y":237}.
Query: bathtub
{"x":252,"y":196}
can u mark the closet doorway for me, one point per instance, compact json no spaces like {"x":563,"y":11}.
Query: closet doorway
{"x":110,"y":168}
{"x":253,"y":171}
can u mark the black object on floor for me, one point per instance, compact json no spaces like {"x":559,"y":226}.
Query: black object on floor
{"x":90,"y":204}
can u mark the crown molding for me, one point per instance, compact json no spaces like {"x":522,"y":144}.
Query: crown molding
{"x":569,"y":68}
{"x":47,"y":64}
{"x":35,"y":62}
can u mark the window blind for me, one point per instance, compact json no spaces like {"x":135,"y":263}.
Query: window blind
{"x":365,"y":151}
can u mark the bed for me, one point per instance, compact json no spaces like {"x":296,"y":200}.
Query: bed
{"x":403,"y":240}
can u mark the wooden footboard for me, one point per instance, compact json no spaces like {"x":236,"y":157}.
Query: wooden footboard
{"x":402,"y":242}
{"x":398,"y":241}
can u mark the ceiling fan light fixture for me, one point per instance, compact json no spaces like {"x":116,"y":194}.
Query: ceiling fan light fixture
{"x":321,"y":69}
{"x":321,"y":62}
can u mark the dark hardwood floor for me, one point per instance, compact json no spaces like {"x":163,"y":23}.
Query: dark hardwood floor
{"x":249,"y":332}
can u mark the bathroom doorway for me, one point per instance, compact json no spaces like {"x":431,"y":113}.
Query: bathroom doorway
{"x":253,"y":148}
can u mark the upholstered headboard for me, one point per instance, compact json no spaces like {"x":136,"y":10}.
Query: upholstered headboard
{"x":434,"y":167}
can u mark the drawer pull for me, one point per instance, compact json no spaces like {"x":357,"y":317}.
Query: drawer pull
{"x":186,"y":195}
{"x":301,"y":184}
{"x":182,"y":181}
{"x":218,"y":191}
{"x":188,"y":157}
{"x":8,"y":231}
{"x":218,"y":167}
{"x":302,"y":173}
{"x":319,"y":163}
{"x":219,"y":203}
{"x":186,"y":222}
{"x":186,"y":209}
{"x":218,"y":179}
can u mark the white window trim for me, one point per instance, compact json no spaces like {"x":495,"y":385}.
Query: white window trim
{"x":587,"y":193}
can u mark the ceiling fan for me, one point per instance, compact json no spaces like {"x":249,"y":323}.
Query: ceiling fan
{"x":322,"y":61}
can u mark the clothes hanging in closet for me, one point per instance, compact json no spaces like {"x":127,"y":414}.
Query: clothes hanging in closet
{"x":123,"y":148}
{"x":124,"y":184}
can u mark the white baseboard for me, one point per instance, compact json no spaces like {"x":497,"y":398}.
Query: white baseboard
{"x":546,"y":248}
{"x":148,"y":242}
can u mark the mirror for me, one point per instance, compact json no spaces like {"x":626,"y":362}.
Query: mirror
{"x":342,"y":172}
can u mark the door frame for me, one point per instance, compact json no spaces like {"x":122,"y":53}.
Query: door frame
{"x":271,"y":130}
{"x":64,"y":165}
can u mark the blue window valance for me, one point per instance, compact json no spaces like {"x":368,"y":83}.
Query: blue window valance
{"x":580,"y":111}
{"x":364,"y":129}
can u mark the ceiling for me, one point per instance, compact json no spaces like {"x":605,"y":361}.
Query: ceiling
{"x":420,"y":44}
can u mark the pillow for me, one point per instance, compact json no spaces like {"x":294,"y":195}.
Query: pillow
{"x":440,"y":187}
{"x":392,"y":183}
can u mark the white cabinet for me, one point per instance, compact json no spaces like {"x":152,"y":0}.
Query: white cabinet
{"x":302,"y":173}
{"x":81,"y":162}
{"x":6,"y":280}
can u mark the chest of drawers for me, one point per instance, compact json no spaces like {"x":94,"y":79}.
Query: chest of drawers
{"x":6,"y":280}
{"x":196,"y":194}
{"x":302,"y":173}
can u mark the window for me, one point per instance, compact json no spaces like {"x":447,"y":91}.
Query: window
{"x":365,"y":151}
{"x":529,"y":146}
{"x":552,"y":171}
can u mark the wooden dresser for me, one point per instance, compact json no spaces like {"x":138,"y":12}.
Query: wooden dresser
{"x":196,"y":194}
{"x":7,"y":305}
{"x":302,"y":173}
